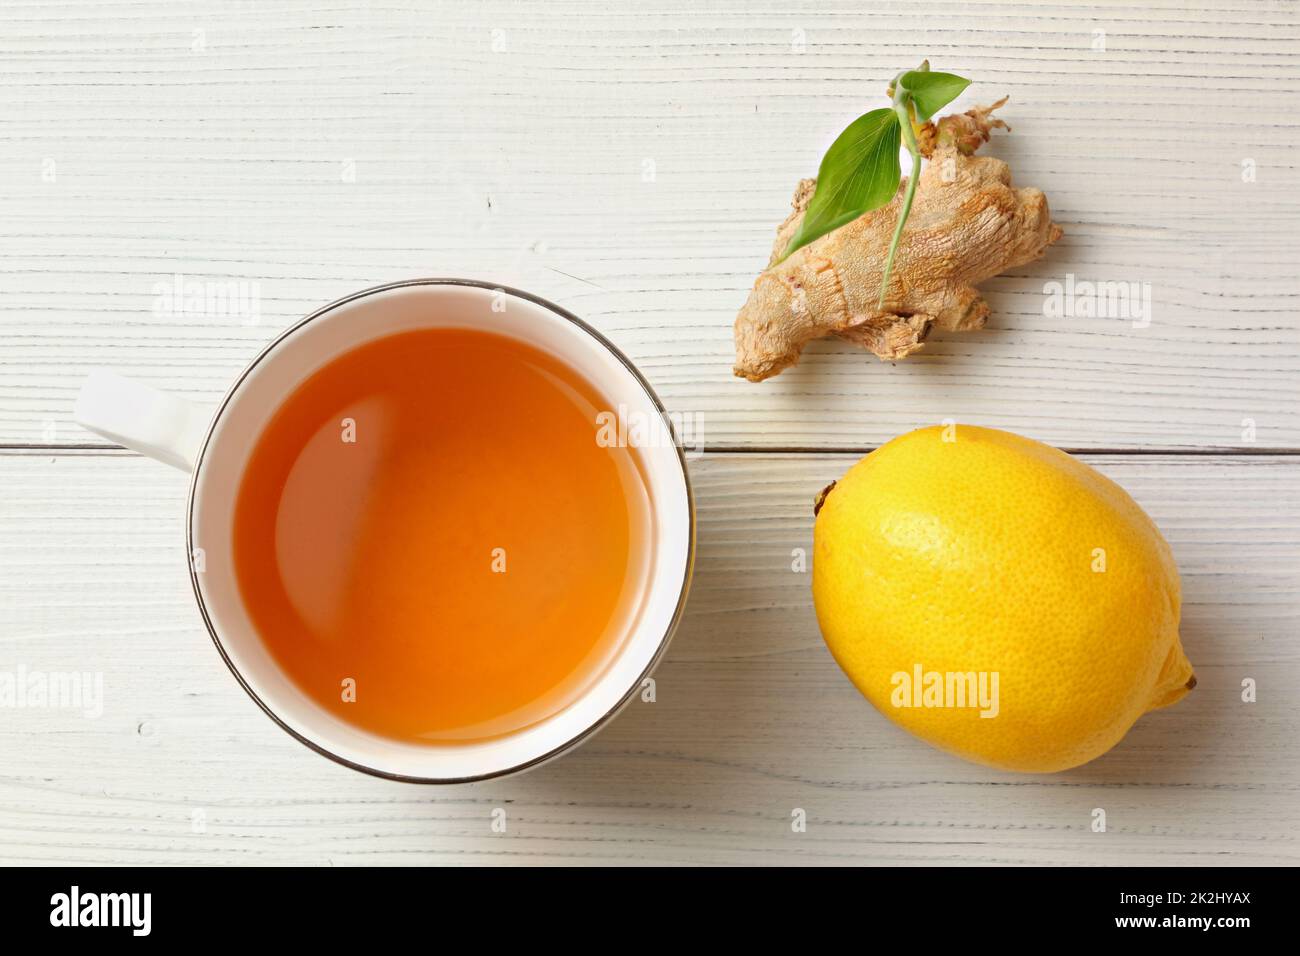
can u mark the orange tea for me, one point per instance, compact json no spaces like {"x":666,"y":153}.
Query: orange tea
{"x":432,"y":541}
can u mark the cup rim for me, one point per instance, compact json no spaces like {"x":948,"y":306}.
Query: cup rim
{"x":664,"y":641}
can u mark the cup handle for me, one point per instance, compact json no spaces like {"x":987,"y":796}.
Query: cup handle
{"x":160,"y":425}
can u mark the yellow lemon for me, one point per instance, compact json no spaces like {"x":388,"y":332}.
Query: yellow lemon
{"x":997,"y":597}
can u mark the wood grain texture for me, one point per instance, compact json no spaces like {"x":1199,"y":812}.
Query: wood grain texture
{"x":752,"y":719}
{"x":631,"y":162}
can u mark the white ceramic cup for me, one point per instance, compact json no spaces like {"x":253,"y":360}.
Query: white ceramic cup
{"x":215,"y":446}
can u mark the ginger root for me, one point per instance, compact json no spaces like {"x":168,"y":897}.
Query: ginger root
{"x":967,"y":225}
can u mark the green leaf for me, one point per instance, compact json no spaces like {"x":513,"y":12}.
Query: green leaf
{"x":931,"y":91}
{"x":859,"y":173}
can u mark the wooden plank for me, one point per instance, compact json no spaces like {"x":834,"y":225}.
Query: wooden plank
{"x":752,"y":719}
{"x":632,"y":164}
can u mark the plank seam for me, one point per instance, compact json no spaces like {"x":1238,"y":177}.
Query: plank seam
{"x":1229,"y":451}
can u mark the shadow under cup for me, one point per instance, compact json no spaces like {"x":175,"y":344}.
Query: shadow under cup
{"x":302,"y":351}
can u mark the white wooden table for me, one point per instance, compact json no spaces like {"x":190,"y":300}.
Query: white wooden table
{"x":631,"y":161}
